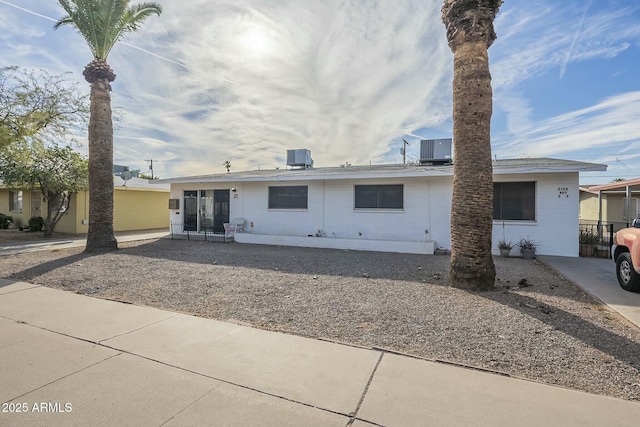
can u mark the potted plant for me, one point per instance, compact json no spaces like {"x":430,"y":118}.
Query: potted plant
{"x":505,"y":248}
{"x":588,"y":239}
{"x":527,"y":248}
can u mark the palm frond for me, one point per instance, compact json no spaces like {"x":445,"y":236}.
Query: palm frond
{"x":102,"y":23}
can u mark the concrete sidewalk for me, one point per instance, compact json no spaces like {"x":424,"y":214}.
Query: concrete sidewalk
{"x":10,"y":248}
{"x":67,"y":359}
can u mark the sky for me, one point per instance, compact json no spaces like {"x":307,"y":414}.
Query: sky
{"x":245,"y":80}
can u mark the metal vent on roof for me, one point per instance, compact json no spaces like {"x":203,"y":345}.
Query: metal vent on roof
{"x":436,"y":151}
{"x":300,"y":158}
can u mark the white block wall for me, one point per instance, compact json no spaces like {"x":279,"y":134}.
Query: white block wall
{"x":427,"y":206}
{"x":555,"y":229}
{"x":331,"y":210}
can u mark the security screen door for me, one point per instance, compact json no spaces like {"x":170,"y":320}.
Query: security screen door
{"x":220,"y":209}
{"x":190,"y":211}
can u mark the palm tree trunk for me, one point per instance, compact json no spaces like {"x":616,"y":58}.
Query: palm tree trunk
{"x":470,"y":33}
{"x":100,"y":237}
{"x":472,"y":204}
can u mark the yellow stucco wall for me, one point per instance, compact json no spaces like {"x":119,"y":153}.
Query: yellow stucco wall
{"x":612,"y":207}
{"x":589,"y":206}
{"x":134,"y":209}
{"x":616,"y":207}
{"x":140,"y":209}
{"x":69,"y":220}
{"x":21,"y":217}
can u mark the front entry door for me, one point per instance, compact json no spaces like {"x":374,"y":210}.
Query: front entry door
{"x":220,"y":209}
{"x":36,"y":203}
{"x":190,"y":210}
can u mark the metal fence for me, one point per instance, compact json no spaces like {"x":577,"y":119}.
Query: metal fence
{"x":596,"y":238}
{"x":179,"y":233}
{"x":617,"y":226}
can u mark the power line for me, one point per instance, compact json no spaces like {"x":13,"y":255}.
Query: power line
{"x":623,"y":164}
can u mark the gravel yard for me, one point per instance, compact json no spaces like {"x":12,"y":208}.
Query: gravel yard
{"x":535,"y":325}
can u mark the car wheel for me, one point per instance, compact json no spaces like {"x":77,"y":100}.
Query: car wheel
{"x":627,"y":276}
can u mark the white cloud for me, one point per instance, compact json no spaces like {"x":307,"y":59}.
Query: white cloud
{"x":535,"y":38}
{"x":605,"y":130}
{"x":339,"y":78}
{"x":245,"y":80}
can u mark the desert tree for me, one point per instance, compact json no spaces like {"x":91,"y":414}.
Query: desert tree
{"x":36,"y":104}
{"x":57,"y":171}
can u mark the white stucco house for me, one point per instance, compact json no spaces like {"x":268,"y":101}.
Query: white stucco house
{"x":395,"y":208}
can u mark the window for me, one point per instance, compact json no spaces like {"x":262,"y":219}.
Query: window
{"x":59,"y":203}
{"x":514,"y":201}
{"x":291,"y":197}
{"x":379,"y":196}
{"x":15,"y":200}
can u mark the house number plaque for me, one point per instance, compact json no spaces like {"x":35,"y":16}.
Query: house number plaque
{"x":563,"y":192}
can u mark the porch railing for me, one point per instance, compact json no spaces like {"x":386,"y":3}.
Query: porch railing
{"x":596,"y":238}
{"x":179,"y":233}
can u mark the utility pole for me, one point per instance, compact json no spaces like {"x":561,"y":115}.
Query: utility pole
{"x":404,"y":151}
{"x":150,"y":161}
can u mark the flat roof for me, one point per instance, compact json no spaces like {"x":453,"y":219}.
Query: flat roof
{"x":500,"y":167}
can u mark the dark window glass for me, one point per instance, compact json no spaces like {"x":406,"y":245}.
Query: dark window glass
{"x":291,"y":197}
{"x":514,"y":201}
{"x":379,"y":196}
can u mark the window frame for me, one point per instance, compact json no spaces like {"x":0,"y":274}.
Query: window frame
{"x":378,"y":196}
{"x":273,"y":198}
{"x":58,"y":202}
{"x":533,"y":208}
{"x":16,"y":203}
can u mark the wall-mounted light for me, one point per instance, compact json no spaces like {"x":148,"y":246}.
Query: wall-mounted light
{"x":233,"y":189}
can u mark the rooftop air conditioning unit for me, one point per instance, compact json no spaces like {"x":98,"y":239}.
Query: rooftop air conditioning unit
{"x":436,"y":151}
{"x":299,"y":158}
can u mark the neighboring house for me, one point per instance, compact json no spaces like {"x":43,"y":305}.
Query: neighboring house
{"x":608,"y":202}
{"x":396,"y":208}
{"x":137,"y":206}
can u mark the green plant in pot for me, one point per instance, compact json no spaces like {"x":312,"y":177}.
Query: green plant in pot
{"x":505,"y":247}
{"x":588,"y":240}
{"x":527,"y":248}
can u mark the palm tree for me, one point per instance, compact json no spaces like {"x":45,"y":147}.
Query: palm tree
{"x":102,"y":23}
{"x":470,"y":33}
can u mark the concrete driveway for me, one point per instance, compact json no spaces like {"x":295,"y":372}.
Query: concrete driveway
{"x":597,"y":276}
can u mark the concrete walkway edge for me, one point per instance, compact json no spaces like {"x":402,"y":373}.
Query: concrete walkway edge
{"x":96,"y":362}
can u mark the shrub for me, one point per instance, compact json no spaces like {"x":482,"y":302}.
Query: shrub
{"x":527,"y":244}
{"x":36,"y":223}
{"x":5,"y":221}
{"x":588,"y":238}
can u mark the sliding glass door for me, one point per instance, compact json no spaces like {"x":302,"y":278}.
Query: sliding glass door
{"x":206,"y":210}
